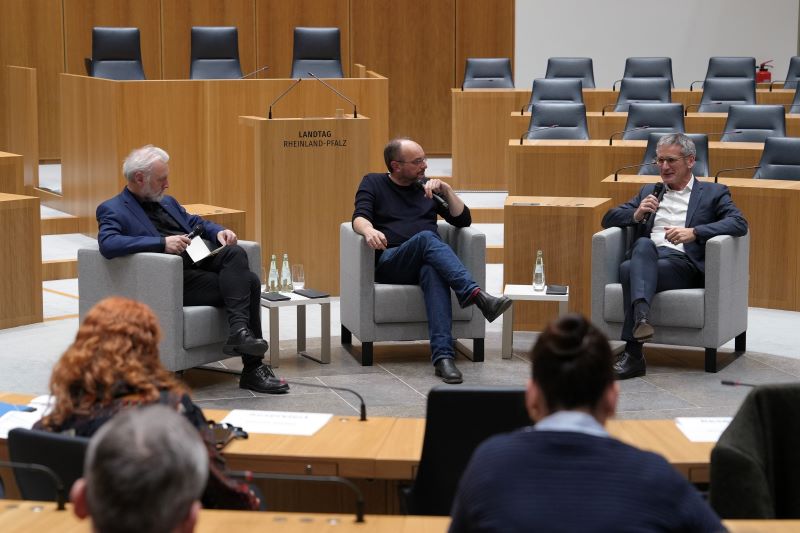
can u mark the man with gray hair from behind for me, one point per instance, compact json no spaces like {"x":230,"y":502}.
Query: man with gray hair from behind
{"x":145,"y":470}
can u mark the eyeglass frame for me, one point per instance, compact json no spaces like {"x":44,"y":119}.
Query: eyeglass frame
{"x":418,"y":161}
{"x":669,"y":161}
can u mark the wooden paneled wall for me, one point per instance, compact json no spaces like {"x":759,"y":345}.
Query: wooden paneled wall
{"x":421,"y":46}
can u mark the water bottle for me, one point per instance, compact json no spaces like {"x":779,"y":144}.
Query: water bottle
{"x":273,"y":275}
{"x":286,"y":274}
{"x":538,"y":272}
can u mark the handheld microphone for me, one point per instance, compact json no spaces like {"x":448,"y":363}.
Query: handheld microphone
{"x":737,"y":383}
{"x":197,"y":230}
{"x":248,"y":476}
{"x":658,"y":192}
{"x":355,"y":111}
{"x":716,"y":176}
{"x":611,"y":139}
{"x":323,"y":386}
{"x":640,"y":165}
{"x":61,"y":493}
{"x":265,"y":67}
{"x":436,"y":196}
{"x":284,"y":93}
{"x":522,"y":137}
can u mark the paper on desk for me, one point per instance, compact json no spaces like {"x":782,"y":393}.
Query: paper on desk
{"x":17,"y":419}
{"x":703,"y":428}
{"x":277,"y":422}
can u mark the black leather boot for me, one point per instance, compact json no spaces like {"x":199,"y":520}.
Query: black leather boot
{"x":491,"y":306}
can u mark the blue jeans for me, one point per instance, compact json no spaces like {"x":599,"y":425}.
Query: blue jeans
{"x":427,"y":261}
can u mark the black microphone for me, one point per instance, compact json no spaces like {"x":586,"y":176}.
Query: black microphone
{"x":197,"y":230}
{"x":249,"y":476}
{"x":611,"y":139}
{"x":614,"y":85}
{"x":773,"y":82}
{"x":522,"y":137}
{"x":436,"y":196}
{"x":721,"y":133}
{"x":355,"y":111}
{"x":265,"y":67}
{"x":61,"y":493}
{"x":603,"y":111}
{"x":716,"y":176}
{"x":686,"y":111}
{"x":737,"y":383}
{"x":640,"y":165}
{"x":292,"y":86}
{"x":323,"y":386}
{"x":658,"y":192}
{"x":691,"y":85}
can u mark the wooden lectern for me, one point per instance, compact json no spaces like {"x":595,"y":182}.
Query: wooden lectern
{"x":307,"y":171}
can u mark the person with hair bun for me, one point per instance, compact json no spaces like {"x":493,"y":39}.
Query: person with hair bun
{"x":566,"y":473}
{"x":113,"y":365}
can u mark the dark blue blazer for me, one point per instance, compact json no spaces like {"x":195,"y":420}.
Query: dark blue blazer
{"x":125,"y":229}
{"x":711,"y":213}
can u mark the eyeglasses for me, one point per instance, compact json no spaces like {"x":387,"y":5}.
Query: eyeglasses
{"x":668,"y":160}
{"x":418,"y":161}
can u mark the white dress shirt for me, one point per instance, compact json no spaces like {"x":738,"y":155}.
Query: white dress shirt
{"x":671,"y":213}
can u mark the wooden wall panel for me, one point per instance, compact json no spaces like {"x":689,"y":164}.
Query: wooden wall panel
{"x":484,"y":28}
{"x":31,"y":36}
{"x":179,"y":16}
{"x":275,"y":24}
{"x":21,"y":111}
{"x":80,"y":16}
{"x":411,"y":42}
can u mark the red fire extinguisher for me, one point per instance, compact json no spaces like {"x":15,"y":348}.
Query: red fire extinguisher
{"x":763,"y":75}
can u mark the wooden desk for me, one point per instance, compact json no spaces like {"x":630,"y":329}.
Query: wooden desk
{"x":577,"y":168}
{"x":11,"y":173}
{"x":772,"y":210}
{"x":233,"y":219}
{"x":20,"y":261}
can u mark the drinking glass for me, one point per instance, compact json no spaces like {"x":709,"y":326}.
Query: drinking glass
{"x":298,"y":277}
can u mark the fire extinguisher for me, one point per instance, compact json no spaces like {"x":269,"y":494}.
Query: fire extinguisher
{"x":763,"y":75}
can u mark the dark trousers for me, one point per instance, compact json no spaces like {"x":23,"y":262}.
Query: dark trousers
{"x":225,"y":280}
{"x":653,"y":269}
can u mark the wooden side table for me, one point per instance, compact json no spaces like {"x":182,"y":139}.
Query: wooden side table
{"x":526,"y":292}
{"x":300,"y":302}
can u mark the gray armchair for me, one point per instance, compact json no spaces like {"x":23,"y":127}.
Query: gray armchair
{"x":386,"y":312}
{"x":707,"y":317}
{"x":191,"y":336}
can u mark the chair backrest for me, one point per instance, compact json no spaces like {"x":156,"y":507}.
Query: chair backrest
{"x":754,"y":464}
{"x":457,"y":421}
{"x":731,"y":67}
{"x":643,"y":90}
{"x":755,"y":122}
{"x":317,"y":50}
{"x":780,"y":159}
{"x":701,"y":165}
{"x":795,"y":107}
{"x":719,"y":94}
{"x":572,"y":67}
{"x":666,"y":118}
{"x":556,"y":91}
{"x":558,"y":121}
{"x":215,"y":53}
{"x":649,"y":67}
{"x":488,"y":73}
{"x":116,"y":54}
{"x":61,"y":453}
{"x":793,"y":74}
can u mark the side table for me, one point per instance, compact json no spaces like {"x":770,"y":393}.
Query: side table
{"x":300,"y":302}
{"x":526,"y":292}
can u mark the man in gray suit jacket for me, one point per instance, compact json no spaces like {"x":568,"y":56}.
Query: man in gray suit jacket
{"x":672,"y":224}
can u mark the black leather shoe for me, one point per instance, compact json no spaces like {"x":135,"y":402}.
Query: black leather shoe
{"x":628,"y":366}
{"x":262,"y":379}
{"x":490,"y":306}
{"x":446,"y":369}
{"x":244,"y":343}
{"x":642,"y":330}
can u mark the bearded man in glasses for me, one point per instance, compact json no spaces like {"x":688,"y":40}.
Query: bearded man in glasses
{"x":668,"y":250}
{"x":396,"y":213}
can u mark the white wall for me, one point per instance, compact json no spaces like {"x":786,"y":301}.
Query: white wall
{"x":689,"y":31}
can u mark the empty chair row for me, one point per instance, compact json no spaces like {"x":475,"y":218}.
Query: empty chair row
{"x":116,"y":53}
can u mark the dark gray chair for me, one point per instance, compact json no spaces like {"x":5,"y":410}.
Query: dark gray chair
{"x":793,"y":74}
{"x":754,"y":464}
{"x":558,"y":121}
{"x":572,"y":67}
{"x":63,"y":454}
{"x":452,"y":432}
{"x":116,"y":54}
{"x":755,"y":122}
{"x":795,"y":107}
{"x":641,"y":91}
{"x":317,"y":50}
{"x":666,"y":118}
{"x":648,"y":67}
{"x":720,"y":94}
{"x":488,"y":73}
{"x":701,"y":165}
{"x":731,"y":67}
{"x":555,"y":91}
{"x":780,"y":159}
{"x":215,"y":53}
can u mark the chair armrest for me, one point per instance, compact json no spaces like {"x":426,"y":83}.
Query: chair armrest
{"x":356,"y":281}
{"x":608,"y":251}
{"x":727,"y":281}
{"x":470,"y":246}
{"x":253,"y":250}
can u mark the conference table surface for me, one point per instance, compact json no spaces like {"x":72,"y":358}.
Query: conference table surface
{"x":25,"y":516}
